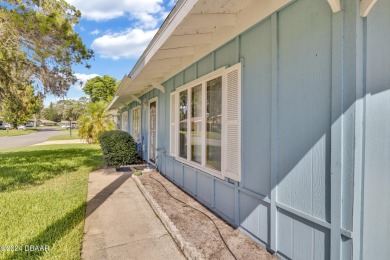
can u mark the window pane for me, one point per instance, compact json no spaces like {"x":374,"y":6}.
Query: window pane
{"x":214,"y":123}
{"x":183,"y":109}
{"x":153,"y":131}
{"x":136,"y":123}
{"x":196,"y":124}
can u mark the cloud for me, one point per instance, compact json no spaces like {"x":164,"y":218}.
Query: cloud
{"x":127,"y":44}
{"x":103,"y":10}
{"x":172,"y":3}
{"x":95,"y":32}
{"x":81,"y":80}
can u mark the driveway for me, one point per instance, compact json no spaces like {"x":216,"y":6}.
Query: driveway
{"x":25,"y":140}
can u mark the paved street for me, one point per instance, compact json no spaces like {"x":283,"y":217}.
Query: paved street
{"x":30,"y":139}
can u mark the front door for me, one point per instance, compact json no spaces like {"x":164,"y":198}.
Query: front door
{"x":153,"y":131}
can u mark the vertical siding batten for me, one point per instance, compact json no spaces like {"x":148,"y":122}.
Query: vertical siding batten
{"x":360,"y":119}
{"x":337,"y":132}
{"x":376,"y":204}
{"x":274,"y":129}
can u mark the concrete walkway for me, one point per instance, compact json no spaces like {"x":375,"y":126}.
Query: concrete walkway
{"x":120,"y":224}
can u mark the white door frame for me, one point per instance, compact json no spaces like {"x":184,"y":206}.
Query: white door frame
{"x":156,"y":144}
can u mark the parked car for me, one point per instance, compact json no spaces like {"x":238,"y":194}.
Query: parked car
{"x":30,"y":125}
{"x":21,"y":127}
{"x":8,"y":126}
{"x":2,"y":126}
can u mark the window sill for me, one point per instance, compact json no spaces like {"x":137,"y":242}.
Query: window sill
{"x":199,"y":167}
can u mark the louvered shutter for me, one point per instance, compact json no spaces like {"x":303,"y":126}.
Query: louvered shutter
{"x":173,"y":125}
{"x":232,"y":124}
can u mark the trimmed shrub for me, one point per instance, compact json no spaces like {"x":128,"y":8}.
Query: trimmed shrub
{"x":118,"y":148}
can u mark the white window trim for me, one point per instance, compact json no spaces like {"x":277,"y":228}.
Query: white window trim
{"x":222,"y":72}
{"x":131,"y":121}
{"x":148,"y":124}
{"x":211,"y":75}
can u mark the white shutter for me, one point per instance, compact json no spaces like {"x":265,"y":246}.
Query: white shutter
{"x":232,"y":124}
{"x":172,"y":119}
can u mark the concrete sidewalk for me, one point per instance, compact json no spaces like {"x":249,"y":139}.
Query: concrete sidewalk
{"x":120,"y":224}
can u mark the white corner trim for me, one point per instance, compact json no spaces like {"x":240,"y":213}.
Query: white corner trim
{"x":335,"y":5}
{"x":365,"y":7}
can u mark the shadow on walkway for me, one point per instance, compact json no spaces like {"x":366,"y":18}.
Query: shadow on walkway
{"x":103,"y":195}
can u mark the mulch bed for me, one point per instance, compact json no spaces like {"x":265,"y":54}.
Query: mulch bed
{"x":213,"y":238}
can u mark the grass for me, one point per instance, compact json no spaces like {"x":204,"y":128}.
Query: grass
{"x":137,"y":173}
{"x":75,"y":135}
{"x":15,"y":132}
{"x":43,"y":192}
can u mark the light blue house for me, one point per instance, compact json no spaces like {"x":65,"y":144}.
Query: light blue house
{"x":276,"y":116}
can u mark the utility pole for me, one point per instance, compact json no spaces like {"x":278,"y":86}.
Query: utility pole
{"x":70,"y":127}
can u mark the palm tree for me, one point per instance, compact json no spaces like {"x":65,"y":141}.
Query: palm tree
{"x":94,"y":121}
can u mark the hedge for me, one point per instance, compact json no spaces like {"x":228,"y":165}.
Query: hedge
{"x":118,"y":148}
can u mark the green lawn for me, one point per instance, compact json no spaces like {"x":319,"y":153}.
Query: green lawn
{"x":67,"y":136}
{"x":43,"y":192}
{"x":15,"y":132}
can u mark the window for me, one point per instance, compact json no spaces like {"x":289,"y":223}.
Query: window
{"x":183,"y":110}
{"x":214,"y":123}
{"x":207,"y":115}
{"x":196,"y":124}
{"x":125,"y":121}
{"x":136,"y":123}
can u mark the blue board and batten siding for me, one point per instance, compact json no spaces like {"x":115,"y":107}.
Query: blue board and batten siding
{"x":314,"y":145}
{"x":376,"y":219}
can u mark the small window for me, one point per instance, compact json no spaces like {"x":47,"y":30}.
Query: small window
{"x":136,"y":123}
{"x":125,"y":121}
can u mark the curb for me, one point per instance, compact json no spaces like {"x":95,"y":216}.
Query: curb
{"x":187,"y":248}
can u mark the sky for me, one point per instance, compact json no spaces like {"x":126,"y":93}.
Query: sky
{"x":118,"y":32}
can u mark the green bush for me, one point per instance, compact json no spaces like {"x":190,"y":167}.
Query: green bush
{"x":118,"y":148}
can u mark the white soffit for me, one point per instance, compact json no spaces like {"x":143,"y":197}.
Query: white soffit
{"x":191,"y":31}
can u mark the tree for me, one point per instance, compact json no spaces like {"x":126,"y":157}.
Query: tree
{"x":21,"y":104}
{"x":38,"y":45}
{"x":94,"y":121}
{"x":51,"y":113}
{"x":73,"y":110}
{"x":101,"y":88}
{"x":65,"y":109}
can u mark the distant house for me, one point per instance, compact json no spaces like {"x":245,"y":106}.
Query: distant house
{"x":47,"y":122}
{"x":275,"y":115}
